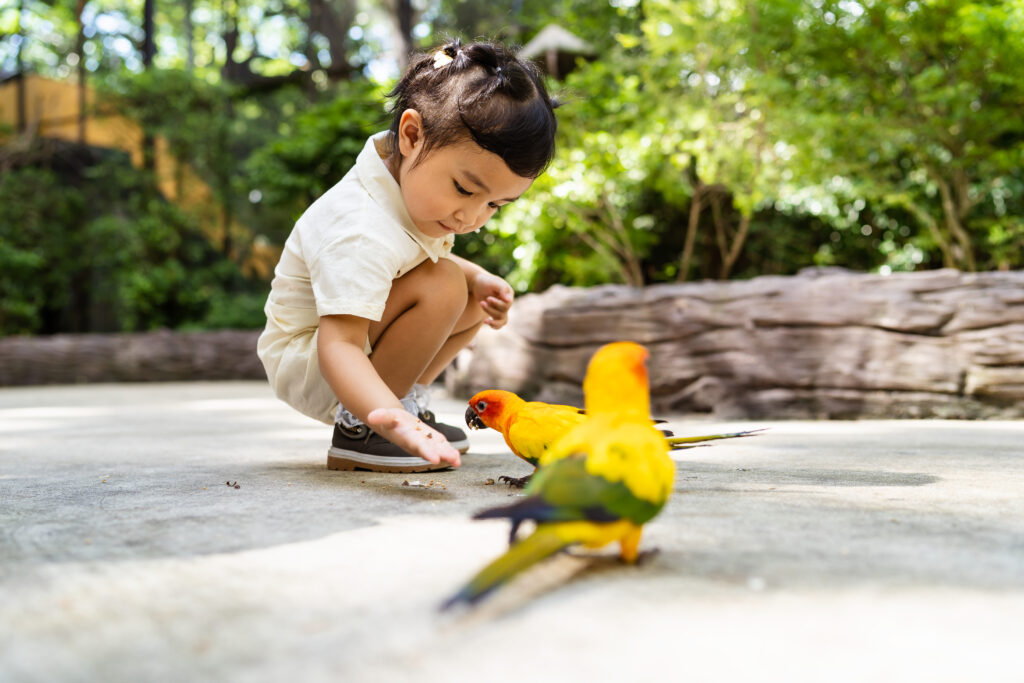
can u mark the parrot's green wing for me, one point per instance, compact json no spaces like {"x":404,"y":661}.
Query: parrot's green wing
{"x":570,"y":492}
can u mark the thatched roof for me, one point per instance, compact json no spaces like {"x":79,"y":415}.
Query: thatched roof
{"x":554,"y":37}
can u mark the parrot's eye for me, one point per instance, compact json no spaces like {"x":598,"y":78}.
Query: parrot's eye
{"x":481,"y":406}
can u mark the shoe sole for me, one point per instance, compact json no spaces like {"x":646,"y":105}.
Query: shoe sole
{"x":350,"y":461}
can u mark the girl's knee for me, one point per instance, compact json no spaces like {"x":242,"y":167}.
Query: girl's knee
{"x":439,"y":286}
{"x":446,"y":280}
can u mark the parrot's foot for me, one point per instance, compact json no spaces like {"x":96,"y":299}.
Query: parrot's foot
{"x":515,"y":483}
{"x":645,"y":555}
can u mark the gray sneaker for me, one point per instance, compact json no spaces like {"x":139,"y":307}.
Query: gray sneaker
{"x":361,"y":448}
{"x":416,"y":402}
{"x":456,"y":437}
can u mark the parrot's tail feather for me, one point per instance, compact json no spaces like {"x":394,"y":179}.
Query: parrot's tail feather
{"x":684,"y":446}
{"x":681,"y":441}
{"x":541,"y":544}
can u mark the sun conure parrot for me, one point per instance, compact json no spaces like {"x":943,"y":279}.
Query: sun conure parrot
{"x":530,"y":427}
{"x":601,"y":482}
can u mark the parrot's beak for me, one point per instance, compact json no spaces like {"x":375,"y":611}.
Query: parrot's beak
{"x":473,"y":420}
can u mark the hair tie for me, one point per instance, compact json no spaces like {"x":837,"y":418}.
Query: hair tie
{"x":441,"y":58}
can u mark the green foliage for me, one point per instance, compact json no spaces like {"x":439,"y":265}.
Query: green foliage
{"x":29,"y":204}
{"x":876,"y":136}
{"x":916,"y":107}
{"x":517,"y":21}
{"x":704,"y":139}
{"x":89,"y":245}
{"x":232,"y":310}
{"x":593,"y":214}
{"x":321,"y":145}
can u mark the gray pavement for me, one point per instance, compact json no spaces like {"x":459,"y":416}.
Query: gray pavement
{"x":817,"y":551}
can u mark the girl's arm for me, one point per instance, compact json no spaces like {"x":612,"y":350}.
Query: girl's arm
{"x":360,"y":389}
{"x":493,"y":293}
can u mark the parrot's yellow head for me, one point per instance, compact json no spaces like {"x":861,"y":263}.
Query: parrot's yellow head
{"x":616,"y":379}
{"x":490,"y":408}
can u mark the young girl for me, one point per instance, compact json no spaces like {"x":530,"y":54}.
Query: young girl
{"x":368,"y":305}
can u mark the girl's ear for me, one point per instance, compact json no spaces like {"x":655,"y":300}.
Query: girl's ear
{"x":410,"y":133}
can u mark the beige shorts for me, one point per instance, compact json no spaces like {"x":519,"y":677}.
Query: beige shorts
{"x":293,"y":369}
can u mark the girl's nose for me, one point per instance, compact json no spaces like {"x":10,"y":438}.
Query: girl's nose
{"x":467,"y":217}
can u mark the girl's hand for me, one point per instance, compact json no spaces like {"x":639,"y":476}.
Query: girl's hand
{"x":408,"y":432}
{"x":495,"y":297}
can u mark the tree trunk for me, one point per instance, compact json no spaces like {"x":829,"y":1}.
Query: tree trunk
{"x":148,"y":49}
{"x":333,"y":20}
{"x":148,"y":143}
{"x":190,"y":49}
{"x":737,"y":246}
{"x":953,"y":215}
{"x":19,"y":69}
{"x":80,"y":52}
{"x":404,"y":17}
{"x":721,"y":231}
{"x":691,"y":235}
{"x":948,"y":261}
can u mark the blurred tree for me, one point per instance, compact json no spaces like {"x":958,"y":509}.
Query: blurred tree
{"x":675,"y":132}
{"x":291,"y":172}
{"x":753,"y":120}
{"x":256,"y":43}
{"x":715,"y":115}
{"x":516,"y":21}
{"x":88,"y":244}
{"x":915,"y":106}
{"x":709,"y":139}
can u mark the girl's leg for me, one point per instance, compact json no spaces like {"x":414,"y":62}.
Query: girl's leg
{"x":427,"y":320}
{"x":465,"y":329}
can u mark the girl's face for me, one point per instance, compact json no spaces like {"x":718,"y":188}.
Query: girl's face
{"x":455,"y":188}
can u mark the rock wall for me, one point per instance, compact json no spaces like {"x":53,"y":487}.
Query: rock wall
{"x":145,"y":356}
{"x":825,"y":343}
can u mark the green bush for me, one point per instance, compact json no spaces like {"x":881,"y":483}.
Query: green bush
{"x":88,"y":244}
{"x":319,"y":147}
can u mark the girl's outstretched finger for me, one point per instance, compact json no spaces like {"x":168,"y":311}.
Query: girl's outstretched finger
{"x":404,"y":429}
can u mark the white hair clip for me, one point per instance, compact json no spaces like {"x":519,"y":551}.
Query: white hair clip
{"x":441,"y":58}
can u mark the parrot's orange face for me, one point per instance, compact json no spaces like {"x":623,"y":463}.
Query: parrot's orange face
{"x":486,"y":409}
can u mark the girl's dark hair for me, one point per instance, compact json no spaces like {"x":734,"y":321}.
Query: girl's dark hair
{"x":483,"y":92}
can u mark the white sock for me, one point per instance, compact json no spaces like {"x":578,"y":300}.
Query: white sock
{"x":420,"y":393}
{"x":415,"y":402}
{"x":345,"y":418}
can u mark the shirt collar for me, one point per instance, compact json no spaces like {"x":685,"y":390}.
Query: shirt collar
{"x":384,"y":190}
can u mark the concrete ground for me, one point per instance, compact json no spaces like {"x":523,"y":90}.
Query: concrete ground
{"x":816,"y":551}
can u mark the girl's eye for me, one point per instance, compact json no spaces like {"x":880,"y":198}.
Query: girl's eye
{"x":494,"y":206}
{"x":461,"y":189}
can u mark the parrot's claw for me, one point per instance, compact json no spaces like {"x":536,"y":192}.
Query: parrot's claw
{"x":515,"y":483}
{"x":645,"y":555}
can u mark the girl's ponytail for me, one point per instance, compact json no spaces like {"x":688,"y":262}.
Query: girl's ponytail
{"x":484,"y":92}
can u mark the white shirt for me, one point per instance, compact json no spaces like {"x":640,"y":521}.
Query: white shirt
{"x":348,"y":247}
{"x":341,"y":258}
